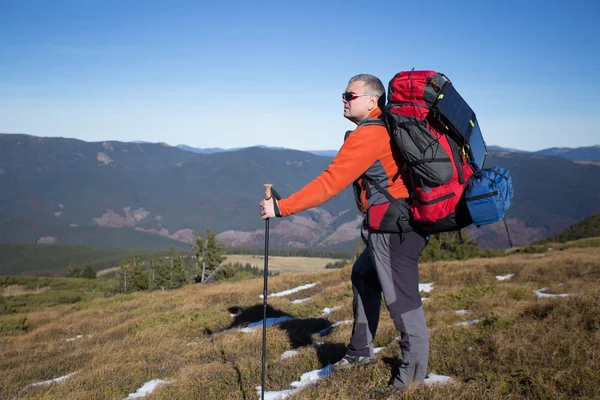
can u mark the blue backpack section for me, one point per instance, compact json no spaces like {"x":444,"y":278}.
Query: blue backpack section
{"x":488,"y":196}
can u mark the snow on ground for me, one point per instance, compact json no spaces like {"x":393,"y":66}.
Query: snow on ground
{"x":76,"y":337}
{"x":270,"y":322}
{"x":324,"y":331}
{"x":424,"y":298}
{"x":289,"y":353}
{"x":310,"y":377}
{"x":467,"y":323}
{"x":280,"y":395}
{"x":426,"y":287}
{"x":146,"y":388}
{"x":52,"y":381}
{"x":327,"y":311}
{"x":433,"y":379}
{"x":540,"y":293}
{"x":504,"y":277}
{"x":290,"y":291}
{"x":298,"y":301}
{"x":461,"y":312}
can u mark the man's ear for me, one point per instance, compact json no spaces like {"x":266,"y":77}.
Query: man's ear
{"x":372,"y":103}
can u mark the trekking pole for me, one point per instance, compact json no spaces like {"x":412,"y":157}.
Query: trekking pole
{"x":266,"y":275}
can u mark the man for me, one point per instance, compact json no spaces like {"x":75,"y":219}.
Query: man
{"x":389,"y":264}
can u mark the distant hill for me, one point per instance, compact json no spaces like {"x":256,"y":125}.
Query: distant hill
{"x":201,"y":151}
{"x":54,"y":260}
{"x":586,"y":228}
{"x":504,"y":149}
{"x":149,"y":195}
{"x":591,"y":153}
{"x":211,"y":150}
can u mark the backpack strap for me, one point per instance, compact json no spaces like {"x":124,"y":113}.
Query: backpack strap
{"x":372,"y":121}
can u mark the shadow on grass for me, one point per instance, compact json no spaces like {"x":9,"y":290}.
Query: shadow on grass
{"x":393,"y":363}
{"x":299,"y":331}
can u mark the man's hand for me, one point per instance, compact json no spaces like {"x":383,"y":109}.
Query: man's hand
{"x":267,"y":209}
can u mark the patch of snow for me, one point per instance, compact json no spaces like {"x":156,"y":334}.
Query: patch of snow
{"x":308,"y":378}
{"x":289,"y":353}
{"x":324,"y":331}
{"x":540,"y":293}
{"x":327,"y":311}
{"x":280,"y":395}
{"x":290,"y":291}
{"x":462,"y":312}
{"x":146,"y":389}
{"x":311,"y":377}
{"x":504,"y":277}
{"x":424,"y":298}
{"x":52,"y":381}
{"x":75,"y":338}
{"x":270,"y":322}
{"x":298,"y":301}
{"x":433,"y":379}
{"x":467,"y":323}
{"x":426,"y":287}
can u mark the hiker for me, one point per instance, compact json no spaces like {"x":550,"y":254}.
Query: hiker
{"x":389,"y":264}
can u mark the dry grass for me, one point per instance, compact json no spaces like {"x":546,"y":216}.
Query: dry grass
{"x":524,"y":347}
{"x":284,"y":264}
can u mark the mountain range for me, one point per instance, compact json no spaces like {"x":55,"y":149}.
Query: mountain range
{"x":149,"y":195}
{"x":211,"y":150}
{"x":589,"y":153}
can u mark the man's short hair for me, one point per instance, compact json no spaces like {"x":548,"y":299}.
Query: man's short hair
{"x":373,"y":85}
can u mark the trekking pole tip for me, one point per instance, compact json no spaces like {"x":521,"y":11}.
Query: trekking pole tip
{"x":268,"y":187}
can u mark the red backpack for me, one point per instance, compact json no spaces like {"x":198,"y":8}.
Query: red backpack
{"x":436,"y":152}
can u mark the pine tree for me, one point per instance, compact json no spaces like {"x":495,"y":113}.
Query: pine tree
{"x":178,"y":272}
{"x":214,"y":251}
{"x":74,"y":271}
{"x":198,"y":251}
{"x":161,"y":273}
{"x":88,"y":272}
{"x":131,"y":276}
{"x":209,"y":254}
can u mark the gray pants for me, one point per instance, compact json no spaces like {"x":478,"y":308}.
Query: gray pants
{"x":389,"y":264}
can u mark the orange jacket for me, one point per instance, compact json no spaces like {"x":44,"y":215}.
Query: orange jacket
{"x":366,"y":148}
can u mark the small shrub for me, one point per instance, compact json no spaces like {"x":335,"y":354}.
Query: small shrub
{"x":18,"y":324}
{"x":337,"y":264}
{"x":68,"y":299}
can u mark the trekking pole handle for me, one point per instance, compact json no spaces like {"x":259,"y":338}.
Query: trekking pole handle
{"x":268,"y":187}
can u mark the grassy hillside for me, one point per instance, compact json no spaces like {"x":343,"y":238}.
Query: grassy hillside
{"x":586,"y":228}
{"x":54,"y":260}
{"x":522,"y":347}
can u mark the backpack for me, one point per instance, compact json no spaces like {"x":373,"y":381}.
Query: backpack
{"x":443,"y":153}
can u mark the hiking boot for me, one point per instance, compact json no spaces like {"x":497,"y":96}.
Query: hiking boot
{"x":350,"y":361}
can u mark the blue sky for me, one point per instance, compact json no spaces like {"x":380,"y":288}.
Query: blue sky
{"x":232,"y":74}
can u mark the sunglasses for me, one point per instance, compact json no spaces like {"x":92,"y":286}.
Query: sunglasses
{"x":349,"y":96}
